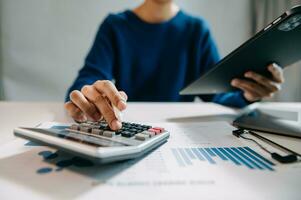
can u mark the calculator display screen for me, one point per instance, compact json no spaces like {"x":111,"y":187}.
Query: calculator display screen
{"x":61,"y":132}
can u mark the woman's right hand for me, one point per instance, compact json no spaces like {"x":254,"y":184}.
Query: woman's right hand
{"x":96,"y":102}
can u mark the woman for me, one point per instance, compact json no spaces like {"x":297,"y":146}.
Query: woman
{"x":151,"y":53}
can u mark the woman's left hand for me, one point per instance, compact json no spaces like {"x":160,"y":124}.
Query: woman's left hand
{"x":263,"y":87}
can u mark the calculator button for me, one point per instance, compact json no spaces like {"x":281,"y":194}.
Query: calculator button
{"x":108,"y":133}
{"x":148,"y":133}
{"x":127,"y":134}
{"x":140,"y":130}
{"x":126,"y":124}
{"x":154,"y":130}
{"x":131,"y":133}
{"x":158,"y":128}
{"x":118,"y":132}
{"x":103,"y":126}
{"x":133,"y":130}
{"x":141,"y":137}
{"x":97,"y":131}
{"x":85,"y":129}
{"x":107,"y":129}
{"x":74,"y":127}
{"x":95,"y":126}
{"x":124,"y":129}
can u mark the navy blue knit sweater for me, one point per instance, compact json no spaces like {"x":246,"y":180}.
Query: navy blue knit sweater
{"x":153,"y":62}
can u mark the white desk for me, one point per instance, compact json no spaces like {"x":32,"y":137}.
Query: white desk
{"x":30,"y":114}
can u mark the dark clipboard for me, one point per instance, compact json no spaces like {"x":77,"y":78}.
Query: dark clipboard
{"x":279,"y":42}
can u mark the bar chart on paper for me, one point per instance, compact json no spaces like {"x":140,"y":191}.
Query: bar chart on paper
{"x":238,"y":156}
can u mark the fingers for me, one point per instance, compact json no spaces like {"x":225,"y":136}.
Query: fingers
{"x":277,"y":73}
{"x":123,"y":94}
{"x":270,"y":85}
{"x":78,"y":99}
{"x":252,"y":91}
{"x":108,"y":89}
{"x":262,"y":87}
{"x":251,"y":96}
{"x":74,"y":112}
{"x":97,"y":101}
{"x":103,"y":105}
{"x":249,"y":93}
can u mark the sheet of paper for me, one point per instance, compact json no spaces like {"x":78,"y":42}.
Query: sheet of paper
{"x":188,"y":166}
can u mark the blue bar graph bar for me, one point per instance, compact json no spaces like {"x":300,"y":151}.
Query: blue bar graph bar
{"x":246,"y":158}
{"x":204,"y":153}
{"x":259,"y":156}
{"x":229,"y":156}
{"x":219,"y":154}
{"x":210,"y":152}
{"x":185,"y":157}
{"x":239,"y":156}
{"x":268,"y":166}
{"x":191,"y":155}
{"x":197,"y":153}
{"x":178,"y":158}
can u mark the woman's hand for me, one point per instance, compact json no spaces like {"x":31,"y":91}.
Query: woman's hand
{"x":262,"y":87}
{"x":95,"y":102}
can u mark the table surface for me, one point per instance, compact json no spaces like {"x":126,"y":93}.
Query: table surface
{"x":14,"y":114}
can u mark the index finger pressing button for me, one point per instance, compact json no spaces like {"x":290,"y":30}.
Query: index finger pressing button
{"x":109,"y":90}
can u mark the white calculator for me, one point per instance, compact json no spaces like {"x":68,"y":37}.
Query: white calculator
{"x":96,"y":141}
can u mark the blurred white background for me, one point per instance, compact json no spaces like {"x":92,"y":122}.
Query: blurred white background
{"x":44,"y":42}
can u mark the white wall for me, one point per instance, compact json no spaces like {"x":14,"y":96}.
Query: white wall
{"x":44,"y":42}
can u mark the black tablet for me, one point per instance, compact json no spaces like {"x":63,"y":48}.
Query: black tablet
{"x":279,"y":42}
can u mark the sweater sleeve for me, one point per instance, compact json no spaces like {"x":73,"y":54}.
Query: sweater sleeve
{"x":98,"y":64}
{"x":210,"y":56}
